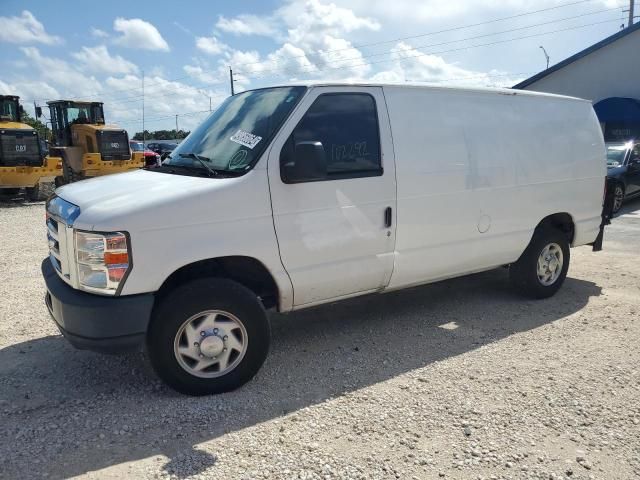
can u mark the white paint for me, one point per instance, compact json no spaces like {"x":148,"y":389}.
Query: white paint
{"x":453,"y":159}
{"x":331,"y":234}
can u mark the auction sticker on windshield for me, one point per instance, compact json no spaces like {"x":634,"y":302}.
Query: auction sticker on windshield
{"x":245,"y":138}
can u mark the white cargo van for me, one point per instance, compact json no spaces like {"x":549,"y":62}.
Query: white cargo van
{"x":295,"y":196}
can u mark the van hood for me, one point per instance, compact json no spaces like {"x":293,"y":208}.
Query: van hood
{"x":144,"y":199}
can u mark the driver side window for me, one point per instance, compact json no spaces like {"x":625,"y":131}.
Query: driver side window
{"x":337,"y":138}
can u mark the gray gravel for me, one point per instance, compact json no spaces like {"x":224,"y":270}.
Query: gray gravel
{"x":461,"y":379}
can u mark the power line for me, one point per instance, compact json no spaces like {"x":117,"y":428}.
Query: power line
{"x":447,"y":30}
{"x":454,"y":41}
{"x":358,"y":46}
{"x":440,"y":52}
{"x":261,"y":73}
{"x":442,"y":80}
{"x":467,"y":47}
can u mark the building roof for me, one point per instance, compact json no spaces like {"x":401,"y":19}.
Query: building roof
{"x":578,"y":56}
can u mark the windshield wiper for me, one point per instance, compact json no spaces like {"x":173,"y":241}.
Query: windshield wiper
{"x":202,"y":160}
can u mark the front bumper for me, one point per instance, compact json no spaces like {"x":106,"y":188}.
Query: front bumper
{"x":94,"y":322}
{"x":18,"y":177}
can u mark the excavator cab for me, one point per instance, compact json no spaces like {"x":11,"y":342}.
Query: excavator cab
{"x":23,"y":163}
{"x":88,"y":146}
{"x":9,"y":108}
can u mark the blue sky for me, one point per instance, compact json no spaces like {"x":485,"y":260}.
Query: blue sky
{"x":99,"y":50}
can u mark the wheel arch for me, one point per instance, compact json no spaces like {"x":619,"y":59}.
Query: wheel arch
{"x":562,"y":221}
{"x":247,"y":271}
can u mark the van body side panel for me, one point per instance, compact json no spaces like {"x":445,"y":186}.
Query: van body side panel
{"x":565,"y":168}
{"x":477,"y":171}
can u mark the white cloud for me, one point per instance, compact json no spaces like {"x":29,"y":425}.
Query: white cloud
{"x":137,"y":33}
{"x":413,"y":66}
{"x":312,"y":19}
{"x":25,"y":29}
{"x":96,"y":32}
{"x":98,"y":59}
{"x":211,"y":45}
{"x":164,"y":99}
{"x":314,"y":43}
{"x":28,"y":91}
{"x":419,"y":12}
{"x":66,"y":79}
{"x":199,"y":73}
{"x":248,"y":25}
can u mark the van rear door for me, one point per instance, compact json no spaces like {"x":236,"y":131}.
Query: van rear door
{"x":333,"y":194}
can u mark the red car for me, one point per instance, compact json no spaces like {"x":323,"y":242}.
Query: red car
{"x":150,"y":158}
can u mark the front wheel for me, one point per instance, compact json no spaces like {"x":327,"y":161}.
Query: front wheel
{"x":39,"y":192}
{"x":208,"y":336}
{"x":542,"y":268}
{"x":618,"y":198}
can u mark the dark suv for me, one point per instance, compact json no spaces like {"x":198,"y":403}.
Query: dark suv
{"x":623,"y":166}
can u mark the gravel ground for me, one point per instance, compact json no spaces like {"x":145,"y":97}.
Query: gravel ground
{"x":461,"y":379}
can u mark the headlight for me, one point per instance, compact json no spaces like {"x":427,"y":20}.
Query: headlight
{"x":103,"y":260}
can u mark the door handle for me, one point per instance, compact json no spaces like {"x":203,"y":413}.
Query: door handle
{"x":387,"y":217}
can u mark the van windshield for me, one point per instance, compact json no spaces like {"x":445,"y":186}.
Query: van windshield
{"x":616,"y":155}
{"x":233,"y":137}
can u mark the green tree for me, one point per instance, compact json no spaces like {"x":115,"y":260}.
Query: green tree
{"x":162,"y":135}
{"x":43,"y":131}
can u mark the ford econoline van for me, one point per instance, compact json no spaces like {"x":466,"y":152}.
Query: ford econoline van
{"x":290,"y":197}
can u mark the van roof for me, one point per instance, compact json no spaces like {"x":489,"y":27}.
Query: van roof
{"x":431,"y":86}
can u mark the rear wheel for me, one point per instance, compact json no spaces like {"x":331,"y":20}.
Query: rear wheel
{"x":542,"y":268}
{"x":618,"y":197}
{"x":208,"y":336}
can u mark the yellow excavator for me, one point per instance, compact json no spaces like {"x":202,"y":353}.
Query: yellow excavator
{"x":23,"y":159}
{"x":87,"y":146}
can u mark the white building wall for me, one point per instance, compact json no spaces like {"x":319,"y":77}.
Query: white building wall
{"x":611,"y":71}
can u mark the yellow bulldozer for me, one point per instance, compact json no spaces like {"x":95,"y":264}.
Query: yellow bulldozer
{"x":23,"y":159}
{"x":87,"y":146}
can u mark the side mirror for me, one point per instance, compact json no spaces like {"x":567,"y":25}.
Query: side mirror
{"x":310,"y":162}
{"x":38,"y":112}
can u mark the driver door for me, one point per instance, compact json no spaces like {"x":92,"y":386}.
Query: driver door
{"x":333,"y":194}
{"x":633,"y":172}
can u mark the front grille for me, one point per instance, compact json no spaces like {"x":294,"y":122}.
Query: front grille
{"x":53,"y":238}
{"x":114,"y":144}
{"x":19,"y":148}
{"x":60,"y":216}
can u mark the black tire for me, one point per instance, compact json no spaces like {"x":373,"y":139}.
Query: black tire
{"x":618,"y":197}
{"x":524,"y":273}
{"x":9,"y":191}
{"x":189,"y":300}
{"x":69,"y":175}
{"x":39,"y":192}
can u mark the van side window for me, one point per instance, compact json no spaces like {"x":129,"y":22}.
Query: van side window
{"x":337,"y":138}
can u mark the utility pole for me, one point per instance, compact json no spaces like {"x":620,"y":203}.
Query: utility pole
{"x":176,"y":126}
{"x":206,"y":95}
{"x":546,"y":55}
{"x":631,"y":13}
{"x":231,"y":80}
{"x":143,"y":136}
